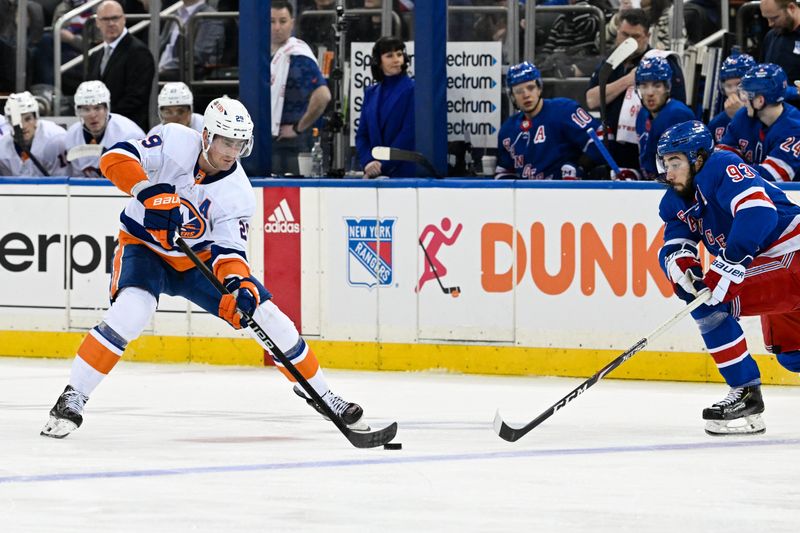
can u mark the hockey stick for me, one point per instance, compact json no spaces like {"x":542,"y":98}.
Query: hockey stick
{"x":620,"y":54}
{"x":603,"y":151}
{"x":18,"y":145}
{"x":387,"y":153}
{"x":512,"y":434}
{"x":455,"y":292}
{"x":358,"y":439}
{"x":84,"y":150}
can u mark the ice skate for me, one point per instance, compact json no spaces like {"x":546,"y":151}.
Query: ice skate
{"x":350,"y":413}
{"x":739,"y":413}
{"x":65,"y":416}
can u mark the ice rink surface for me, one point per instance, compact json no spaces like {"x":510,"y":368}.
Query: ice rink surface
{"x":200,"y":448}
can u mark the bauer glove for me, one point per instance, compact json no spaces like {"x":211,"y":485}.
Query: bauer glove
{"x":243,"y":296}
{"x":725,"y":278}
{"x":162,"y":213}
{"x":686,"y":273}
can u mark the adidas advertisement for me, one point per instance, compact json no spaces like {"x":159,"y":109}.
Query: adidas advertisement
{"x":281,"y":220}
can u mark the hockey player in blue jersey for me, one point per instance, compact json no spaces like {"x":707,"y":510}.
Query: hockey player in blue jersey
{"x":753,"y":230}
{"x":766,"y":133}
{"x":548,"y":138}
{"x":731,"y":73}
{"x":658,"y":111}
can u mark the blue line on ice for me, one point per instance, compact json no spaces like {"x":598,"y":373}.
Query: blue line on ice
{"x":398,"y":459}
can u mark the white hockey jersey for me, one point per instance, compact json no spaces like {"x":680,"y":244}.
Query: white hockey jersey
{"x":47,"y":148}
{"x":196,"y":124}
{"x":216,"y":210}
{"x":119,"y":128}
{"x":5,"y":127}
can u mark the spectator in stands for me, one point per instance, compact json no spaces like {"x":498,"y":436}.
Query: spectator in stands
{"x":548,"y":138}
{"x":97,"y":129}
{"x":8,"y":38}
{"x":701,"y":18}
{"x":209,"y":42}
{"x":36,"y":146}
{"x":125,"y":65}
{"x":730,"y":74}
{"x":571,"y":48}
{"x":71,"y":47}
{"x":317,"y":31}
{"x":175,"y":104}
{"x":387,"y":116}
{"x":766,"y":133}
{"x":298,"y":92}
{"x":658,"y":112}
{"x":620,"y":92}
{"x":780,"y":44}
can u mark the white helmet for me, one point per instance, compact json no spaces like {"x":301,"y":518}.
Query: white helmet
{"x":17,"y":105}
{"x":175,"y":93}
{"x":92,"y":93}
{"x":229,"y":118}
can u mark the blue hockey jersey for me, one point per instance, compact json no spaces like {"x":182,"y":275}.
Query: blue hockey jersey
{"x":733,"y":209}
{"x":537,"y":148}
{"x":718,"y":125}
{"x":774,"y":150}
{"x":649,"y":130}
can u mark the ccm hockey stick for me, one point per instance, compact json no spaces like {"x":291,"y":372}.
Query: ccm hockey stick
{"x":386,"y":153}
{"x":620,"y":54}
{"x":358,"y":439}
{"x":84,"y":150}
{"x":455,"y":292}
{"x":512,"y":434}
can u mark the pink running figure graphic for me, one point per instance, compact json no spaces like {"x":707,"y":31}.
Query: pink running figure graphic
{"x":434,"y":269}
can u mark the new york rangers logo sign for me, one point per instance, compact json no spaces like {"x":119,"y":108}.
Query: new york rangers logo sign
{"x":369,"y":243}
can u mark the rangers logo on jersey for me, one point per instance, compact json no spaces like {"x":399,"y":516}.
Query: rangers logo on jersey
{"x":369,"y":245}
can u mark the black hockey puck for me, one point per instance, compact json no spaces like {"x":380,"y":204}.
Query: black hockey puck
{"x":393,"y":446}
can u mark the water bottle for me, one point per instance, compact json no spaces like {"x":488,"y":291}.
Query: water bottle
{"x":317,"y":157}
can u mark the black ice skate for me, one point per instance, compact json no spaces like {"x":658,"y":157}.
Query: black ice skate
{"x":65,"y":416}
{"x":349,"y":412}
{"x":739,"y":413}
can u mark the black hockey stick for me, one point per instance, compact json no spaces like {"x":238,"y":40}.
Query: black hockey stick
{"x":512,"y":434}
{"x":455,"y":292}
{"x":620,"y":54}
{"x":387,"y":153}
{"x":358,"y":439}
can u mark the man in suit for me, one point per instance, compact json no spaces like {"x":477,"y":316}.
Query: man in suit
{"x":209,"y":41}
{"x":125,"y":65}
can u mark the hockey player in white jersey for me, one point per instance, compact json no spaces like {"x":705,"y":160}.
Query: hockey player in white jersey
{"x":34,"y":147}
{"x":97,"y":126}
{"x":182,"y":181}
{"x":176,"y":104}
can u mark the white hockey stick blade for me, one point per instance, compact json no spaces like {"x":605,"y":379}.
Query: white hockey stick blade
{"x":382,"y":153}
{"x":622,"y":52}
{"x":84,"y":150}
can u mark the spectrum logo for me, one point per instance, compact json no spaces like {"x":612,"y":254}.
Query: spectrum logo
{"x":282,"y":220}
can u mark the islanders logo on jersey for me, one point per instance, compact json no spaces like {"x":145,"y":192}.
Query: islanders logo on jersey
{"x":369,"y":245}
{"x":193,"y":225}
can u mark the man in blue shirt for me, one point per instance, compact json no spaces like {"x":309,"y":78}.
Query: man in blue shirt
{"x":298,"y":91}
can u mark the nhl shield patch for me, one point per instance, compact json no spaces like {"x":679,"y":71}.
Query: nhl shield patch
{"x":369,"y":246}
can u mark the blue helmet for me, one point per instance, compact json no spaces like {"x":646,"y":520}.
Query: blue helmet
{"x":767,"y":80}
{"x":688,"y":138}
{"x":654,"y":69}
{"x":525,"y":71}
{"x":736,"y":66}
